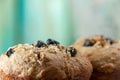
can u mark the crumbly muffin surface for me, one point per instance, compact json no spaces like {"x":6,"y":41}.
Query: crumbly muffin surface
{"x":104,"y":54}
{"x":42,"y":61}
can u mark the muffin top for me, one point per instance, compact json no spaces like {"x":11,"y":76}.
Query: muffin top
{"x":41,"y":60}
{"x":97,"y":41}
{"x":103,"y":52}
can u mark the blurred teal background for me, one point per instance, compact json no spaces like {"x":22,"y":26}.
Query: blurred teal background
{"x":26,"y":21}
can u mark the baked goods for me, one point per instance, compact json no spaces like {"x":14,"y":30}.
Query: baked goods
{"x":44,"y":61}
{"x":104,"y":54}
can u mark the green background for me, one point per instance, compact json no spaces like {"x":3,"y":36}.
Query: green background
{"x":26,"y":21}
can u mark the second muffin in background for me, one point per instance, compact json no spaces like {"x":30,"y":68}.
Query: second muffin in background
{"x":104,"y":54}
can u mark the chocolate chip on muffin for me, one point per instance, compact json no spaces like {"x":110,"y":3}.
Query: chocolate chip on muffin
{"x":88,"y":43}
{"x":72,"y":51}
{"x":52,"y":42}
{"x":10,"y":52}
{"x":40,"y":44}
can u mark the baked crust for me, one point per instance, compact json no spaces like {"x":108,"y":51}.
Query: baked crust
{"x":4,"y":76}
{"x":50,"y":62}
{"x":105,"y":57}
{"x":105,"y":76}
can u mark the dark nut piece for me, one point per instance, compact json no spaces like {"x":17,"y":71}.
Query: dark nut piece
{"x":88,"y":43}
{"x":52,"y":42}
{"x":10,"y":52}
{"x":109,"y":40}
{"x":39,"y":44}
{"x":72,"y":51}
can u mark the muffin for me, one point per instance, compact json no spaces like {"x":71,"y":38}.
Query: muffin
{"x":44,"y":61}
{"x":104,"y":54}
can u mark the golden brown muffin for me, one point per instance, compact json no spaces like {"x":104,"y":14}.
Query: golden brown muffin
{"x":43,"y":61}
{"x":104,"y":54}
